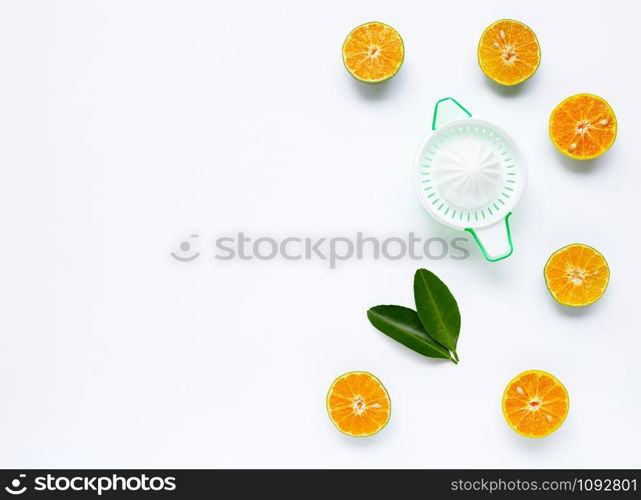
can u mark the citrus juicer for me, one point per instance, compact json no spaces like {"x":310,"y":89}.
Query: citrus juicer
{"x":468,"y":175}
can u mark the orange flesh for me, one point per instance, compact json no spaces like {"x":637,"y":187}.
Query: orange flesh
{"x":535,"y":404}
{"x":583,"y":126}
{"x":358,"y":404}
{"x":373,"y":52}
{"x":577,"y":275}
{"x":509,"y":52}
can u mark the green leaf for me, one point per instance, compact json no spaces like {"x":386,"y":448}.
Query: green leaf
{"x":404,"y":326}
{"x":437,"y":309}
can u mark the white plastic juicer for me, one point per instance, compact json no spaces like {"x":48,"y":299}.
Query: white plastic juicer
{"x":469,"y":174}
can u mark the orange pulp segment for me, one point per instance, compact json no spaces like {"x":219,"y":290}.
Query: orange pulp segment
{"x":509,"y":52}
{"x":373,"y":52}
{"x":535,"y":404}
{"x":576,"y":275}
{"x":583,"y":126}
{"x":358,"y":404}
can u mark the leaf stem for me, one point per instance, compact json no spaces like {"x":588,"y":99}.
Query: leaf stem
{"x":456,"y":360}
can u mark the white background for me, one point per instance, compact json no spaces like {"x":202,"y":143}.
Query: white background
{"x":125,"y":126}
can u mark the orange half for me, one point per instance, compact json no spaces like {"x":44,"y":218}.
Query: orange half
{"x":583,"y":126}
{"x":373,"y":52}
{"x":358,"y":404}
{"x":577,"y":275}
{"x":535,"y":404}
{"x":509,"y":52}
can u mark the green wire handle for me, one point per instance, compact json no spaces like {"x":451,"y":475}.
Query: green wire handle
{"x":446,"y":110}
{"x":495,"y":241}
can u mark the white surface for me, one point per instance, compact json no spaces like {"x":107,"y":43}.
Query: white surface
{"x":128,"y":125}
